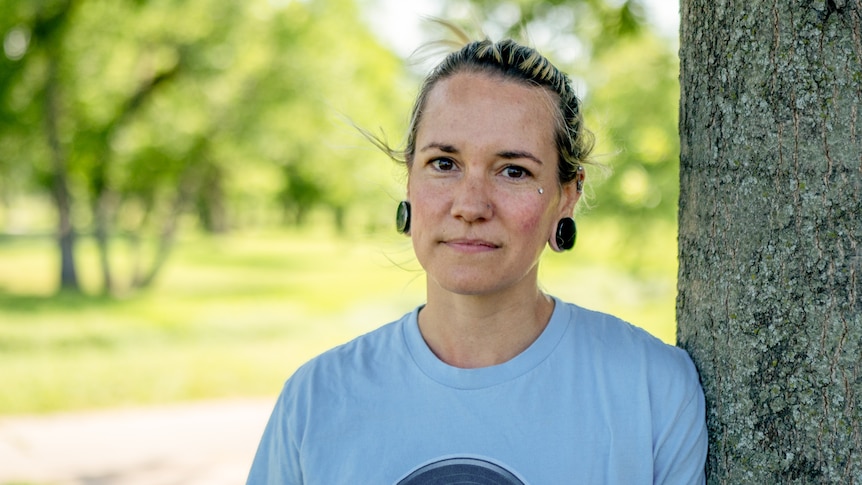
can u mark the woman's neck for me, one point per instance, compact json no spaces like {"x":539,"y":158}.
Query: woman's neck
{"x":472,"y":331}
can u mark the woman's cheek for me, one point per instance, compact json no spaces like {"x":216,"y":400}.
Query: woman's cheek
{"x":533,"y":214}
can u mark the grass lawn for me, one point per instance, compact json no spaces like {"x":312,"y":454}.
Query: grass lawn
{"x":235,"y":315}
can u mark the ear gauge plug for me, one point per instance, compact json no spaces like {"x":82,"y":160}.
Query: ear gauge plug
{"x":567,"y":233}
{"x":402,"y":217}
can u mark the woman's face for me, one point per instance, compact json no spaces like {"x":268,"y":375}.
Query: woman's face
{"x":483,"y":184}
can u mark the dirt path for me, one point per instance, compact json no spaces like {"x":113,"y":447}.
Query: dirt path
{"x":209,"y":443}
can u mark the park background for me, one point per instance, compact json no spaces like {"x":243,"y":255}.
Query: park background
{"x":230,"y":221}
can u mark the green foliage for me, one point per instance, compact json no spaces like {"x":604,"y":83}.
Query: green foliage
{"x":239,"y":112}
{"x":595,"y":19}
{"x":232,"y":109}
{"x":633,"y":102}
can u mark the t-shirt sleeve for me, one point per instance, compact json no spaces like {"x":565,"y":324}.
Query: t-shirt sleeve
{"x":277,"y":459}
{"x":681,"y":442}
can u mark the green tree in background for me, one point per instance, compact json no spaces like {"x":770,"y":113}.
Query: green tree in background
{"x":137,"y":119}
{"x":132,"y":114}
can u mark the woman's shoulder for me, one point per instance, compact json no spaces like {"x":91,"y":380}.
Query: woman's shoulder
{"x":613,"y":340}
{"x":623,"y":359}
{"x":371,"y":349}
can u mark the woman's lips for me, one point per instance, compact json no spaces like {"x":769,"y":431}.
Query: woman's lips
{"x":471,"y":245}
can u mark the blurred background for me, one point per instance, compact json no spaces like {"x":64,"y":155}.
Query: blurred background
{"x":187,"y":211}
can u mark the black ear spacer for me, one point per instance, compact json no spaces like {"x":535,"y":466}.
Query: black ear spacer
{"x":402,"y":217}
{"x":567,"y":233}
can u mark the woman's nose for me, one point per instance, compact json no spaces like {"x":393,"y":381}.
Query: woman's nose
{"x":471,"y":199}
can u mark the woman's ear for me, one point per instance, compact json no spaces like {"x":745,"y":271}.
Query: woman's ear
{"x":571,"y":194}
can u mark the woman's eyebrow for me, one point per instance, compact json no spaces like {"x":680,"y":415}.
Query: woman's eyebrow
{"x":505,"y":154}
{"x":515,"y":154}
{"x":440,"y":146}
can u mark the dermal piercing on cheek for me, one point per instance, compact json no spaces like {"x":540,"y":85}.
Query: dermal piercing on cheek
{"x":541,"y":191}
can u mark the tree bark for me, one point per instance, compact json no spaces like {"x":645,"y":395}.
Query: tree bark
{"x":770,"y":237}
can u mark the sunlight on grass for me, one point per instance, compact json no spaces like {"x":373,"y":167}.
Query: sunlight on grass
{"x":235,"y":315}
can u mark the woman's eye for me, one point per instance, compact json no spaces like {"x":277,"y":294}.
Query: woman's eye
{"x":515,"y":172}
{"x":443,"y":164}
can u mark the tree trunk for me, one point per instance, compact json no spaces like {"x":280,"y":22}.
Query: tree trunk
{"x":103,"y":194}
{"x":187,"y":188}
{"x":102,"y":210}
{"x":60,"y":179}
{"x":211,"y":205}
{"x":770,"y":236}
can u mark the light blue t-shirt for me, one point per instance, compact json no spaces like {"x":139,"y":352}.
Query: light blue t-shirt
{"x":593,"y":400}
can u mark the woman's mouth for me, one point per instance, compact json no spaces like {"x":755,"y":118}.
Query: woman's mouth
{"x":471,"y":245}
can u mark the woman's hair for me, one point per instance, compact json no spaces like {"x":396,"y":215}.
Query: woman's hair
{"x":509,"y":60}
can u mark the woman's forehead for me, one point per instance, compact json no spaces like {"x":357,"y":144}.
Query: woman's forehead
{"x":471,"y":102}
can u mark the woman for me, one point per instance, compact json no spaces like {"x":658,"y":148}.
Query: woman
{"x":491,"y":381}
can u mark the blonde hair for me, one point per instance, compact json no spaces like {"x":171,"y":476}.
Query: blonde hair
{"x":508,"y":60}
